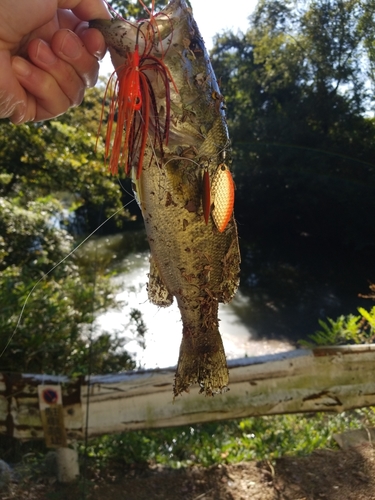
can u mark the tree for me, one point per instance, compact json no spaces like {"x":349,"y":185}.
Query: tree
{"x":298,"y":104}
{"x":48,"y":172}
{"x":303,"y":146}
{"x":61,"y":156}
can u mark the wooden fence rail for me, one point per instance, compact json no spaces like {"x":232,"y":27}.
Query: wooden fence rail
{"x":322,"y":379}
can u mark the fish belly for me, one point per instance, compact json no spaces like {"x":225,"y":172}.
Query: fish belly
{"x":193,"y":262}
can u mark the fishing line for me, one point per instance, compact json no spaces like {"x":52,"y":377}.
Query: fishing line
{"x":52,"y":269}
{"x":225,"y":148}
{"x":118,"y":16}
{"x":129,"y":193}
{"x":181,"y":158}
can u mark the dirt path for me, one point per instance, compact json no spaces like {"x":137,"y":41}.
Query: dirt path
{"x":326,"y":474}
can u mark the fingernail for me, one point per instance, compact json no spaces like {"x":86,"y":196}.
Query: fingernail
{"x":44,"y":53}
{"x":71,"y":46}
{"x":100,"y":51}
{"x":21,"y":67}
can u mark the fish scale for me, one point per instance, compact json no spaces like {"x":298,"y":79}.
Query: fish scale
{"x":194,"y":252}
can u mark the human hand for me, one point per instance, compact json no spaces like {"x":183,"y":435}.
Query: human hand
{"x":48,"y":56}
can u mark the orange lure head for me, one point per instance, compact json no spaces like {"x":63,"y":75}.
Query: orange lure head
{"x":133,"y":103}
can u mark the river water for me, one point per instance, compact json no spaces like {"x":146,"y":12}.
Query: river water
{"x":164,"y":326}
{"x":280,"y":300}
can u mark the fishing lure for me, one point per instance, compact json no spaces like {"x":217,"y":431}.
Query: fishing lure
{"x":134,"y":104}
{"x":223,"y":197}
{"x":218,"y":197}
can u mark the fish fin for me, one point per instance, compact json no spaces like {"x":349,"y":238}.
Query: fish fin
{"x":158,"y":293}
{"x":202,"y":360}
{"x":202,"y":357}
{"x":223,"y":197}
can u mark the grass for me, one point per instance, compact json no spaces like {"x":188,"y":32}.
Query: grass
{"x":256,"y":438}
{"x":226,"y":442}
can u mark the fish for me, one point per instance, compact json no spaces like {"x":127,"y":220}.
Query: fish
{"x":172,"y":139}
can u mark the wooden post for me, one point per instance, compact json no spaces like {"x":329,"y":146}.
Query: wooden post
{"x":323,"y":379}
{"x":67,"y":465}
{"x":52,"y":416}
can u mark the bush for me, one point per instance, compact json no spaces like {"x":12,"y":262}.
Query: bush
{"x":349,"y":329}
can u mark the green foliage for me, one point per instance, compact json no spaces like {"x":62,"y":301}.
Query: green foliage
{"x":297,"y":95}
{"x":49,"y":337}
{"x":61,"y":157}
{"x":367,"y":29}
{"x":257,"y":438}
{"x":349,"y":329}
{"x":232,"y":441}
{"x":53,"y":182}
{"x":133,"y":9}
{"x":139,"y":327}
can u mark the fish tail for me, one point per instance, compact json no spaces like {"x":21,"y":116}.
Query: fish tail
{"x":202,"y":360}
